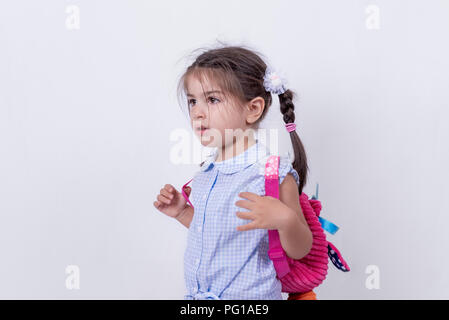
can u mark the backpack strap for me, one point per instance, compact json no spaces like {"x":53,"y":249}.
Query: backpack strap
{"x":275,"y":250}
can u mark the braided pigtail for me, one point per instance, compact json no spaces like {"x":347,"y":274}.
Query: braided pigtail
{"x":300,"y":162}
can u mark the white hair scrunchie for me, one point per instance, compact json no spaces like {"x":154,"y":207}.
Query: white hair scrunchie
{"x":274,"y":81}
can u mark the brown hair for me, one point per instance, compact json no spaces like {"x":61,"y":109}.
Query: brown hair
{"x":238,"y":71}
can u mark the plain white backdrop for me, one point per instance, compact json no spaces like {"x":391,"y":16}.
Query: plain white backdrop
{"x":88,"y":103}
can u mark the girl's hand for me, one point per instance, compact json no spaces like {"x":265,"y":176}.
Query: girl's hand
{"x":171,"y":202}
{"x":265,"y":212}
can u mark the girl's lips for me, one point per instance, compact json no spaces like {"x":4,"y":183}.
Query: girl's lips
{"x":203,"y":130}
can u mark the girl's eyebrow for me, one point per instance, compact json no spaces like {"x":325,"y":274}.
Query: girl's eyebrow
{"x":208,"y":92}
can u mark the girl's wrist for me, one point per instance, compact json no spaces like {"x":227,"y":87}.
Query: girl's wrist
{"x":185,"y":217}
{"x":182,"y":213}
{"x":289,"y":219}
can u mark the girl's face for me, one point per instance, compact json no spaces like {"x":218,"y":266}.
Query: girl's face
{"x":217,"y":122}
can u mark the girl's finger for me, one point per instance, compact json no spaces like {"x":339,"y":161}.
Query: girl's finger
{"x":167,"y":194}
{"x":245,"y":215}
{"x":249,"y":195}
{"x":245,"y":204}
{"x":169,"y":188}
{"x":249,"y":226}
{"x":158,"y":204}
{"x":163,"y":199}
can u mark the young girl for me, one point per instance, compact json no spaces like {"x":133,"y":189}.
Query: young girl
{"x":229,"y":89}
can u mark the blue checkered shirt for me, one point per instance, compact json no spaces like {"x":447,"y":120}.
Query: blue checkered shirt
{"x":221,"y":262}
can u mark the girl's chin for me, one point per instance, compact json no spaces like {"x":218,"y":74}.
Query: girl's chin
{"x":207,"y":141}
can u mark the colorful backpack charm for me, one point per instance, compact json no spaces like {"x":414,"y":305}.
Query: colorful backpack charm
{"x":300,"y":277}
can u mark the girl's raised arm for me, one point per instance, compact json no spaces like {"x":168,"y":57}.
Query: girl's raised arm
{"x":173,"y":204}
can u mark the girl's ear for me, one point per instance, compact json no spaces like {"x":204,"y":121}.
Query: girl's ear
{"x":254,"y":109}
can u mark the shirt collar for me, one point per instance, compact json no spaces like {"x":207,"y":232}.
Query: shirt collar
{"x":241,"y":161}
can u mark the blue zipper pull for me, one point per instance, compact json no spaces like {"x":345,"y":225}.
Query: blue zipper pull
{"x":325,"y":224}
{"x":315,"y":196}
{"x":328,"y":226}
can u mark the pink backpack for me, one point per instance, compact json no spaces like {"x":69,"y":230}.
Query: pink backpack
{"x":299,"y":277}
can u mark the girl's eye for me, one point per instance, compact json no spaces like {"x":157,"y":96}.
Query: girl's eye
{"x":191,"y":101}
{"x":215,"y":99}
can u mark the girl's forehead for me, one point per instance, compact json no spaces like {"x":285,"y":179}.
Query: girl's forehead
{"x":201,"y":83}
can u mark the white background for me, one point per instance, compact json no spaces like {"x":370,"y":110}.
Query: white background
{"x":86,"y":117}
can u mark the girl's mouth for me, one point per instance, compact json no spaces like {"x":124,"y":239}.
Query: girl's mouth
{"x":202,"y":130}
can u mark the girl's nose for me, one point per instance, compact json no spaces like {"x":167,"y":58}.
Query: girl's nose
{"x":198,"y":112}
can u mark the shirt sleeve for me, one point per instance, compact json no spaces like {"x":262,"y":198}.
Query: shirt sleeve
{"x":285,"y":167}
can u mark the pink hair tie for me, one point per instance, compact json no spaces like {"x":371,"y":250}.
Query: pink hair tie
{"x":290,"y":126}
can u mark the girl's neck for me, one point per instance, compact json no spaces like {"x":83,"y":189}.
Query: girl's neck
{"x":235,"y":148}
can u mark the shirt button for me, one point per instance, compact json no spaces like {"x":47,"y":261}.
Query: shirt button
{"x":197,"y":261}
{"x":204,"y":197}
{"x":199,"y":228}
